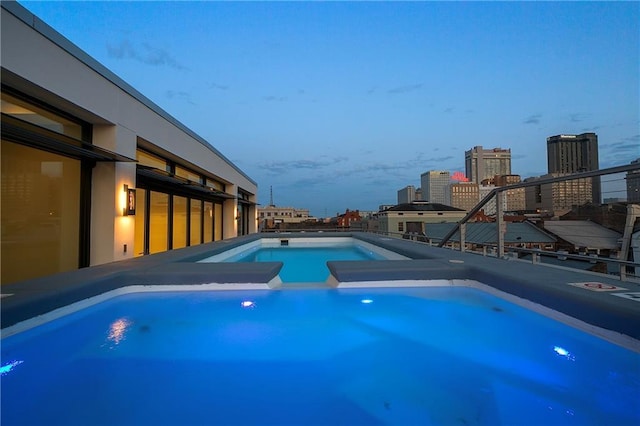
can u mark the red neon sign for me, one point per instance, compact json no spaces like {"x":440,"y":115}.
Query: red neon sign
{"x":460,"y":177}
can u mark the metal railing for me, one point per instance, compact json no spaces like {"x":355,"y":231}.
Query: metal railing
{"x":623,"y":269}
{"x":555,"y":259}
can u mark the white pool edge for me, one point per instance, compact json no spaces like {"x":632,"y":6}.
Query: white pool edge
{"x":325,"y":242}
{"x":610,"y":336}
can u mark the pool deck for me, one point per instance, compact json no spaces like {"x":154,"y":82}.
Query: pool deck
{"x":606,"y":303}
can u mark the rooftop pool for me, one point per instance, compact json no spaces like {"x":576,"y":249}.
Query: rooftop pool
{"x":305,"y":259}
{"x":423,"y":352}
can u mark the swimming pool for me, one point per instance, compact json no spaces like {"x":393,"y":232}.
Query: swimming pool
{"x":305,"y":259}
{"x":392,"y":355}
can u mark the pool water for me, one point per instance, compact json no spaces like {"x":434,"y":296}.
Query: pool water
{"x":405,"y":356}
{"x":305,"y":264}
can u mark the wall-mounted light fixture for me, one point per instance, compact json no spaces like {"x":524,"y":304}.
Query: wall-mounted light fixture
{"x":130,"y":206}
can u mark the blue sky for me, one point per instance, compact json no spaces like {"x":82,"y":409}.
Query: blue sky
{"x":339,"y":105}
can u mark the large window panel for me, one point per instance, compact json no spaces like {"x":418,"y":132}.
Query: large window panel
{"x":208,"y":222}
{"x":196,"y":222}
{"x":41,"y":117}
{"x":158,"y":222}
{"x":179,"y":222}
{"x":217,"y":222}
{"x":141,"y":208}
{"x":146,"y":159}
{"x":40,"y":213}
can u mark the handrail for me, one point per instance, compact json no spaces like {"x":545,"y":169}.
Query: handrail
{"x":537,"y":182}
{"x":534,"y":252}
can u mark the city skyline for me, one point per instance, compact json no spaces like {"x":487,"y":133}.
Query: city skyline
{"x":338,"y":105}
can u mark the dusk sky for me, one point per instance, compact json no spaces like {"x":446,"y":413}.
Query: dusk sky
{"x":339,"y":105}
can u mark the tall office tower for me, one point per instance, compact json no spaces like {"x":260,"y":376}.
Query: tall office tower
{"x":633,"y":184}
{"x":480,"y":164}
{"x":434,"y":185}
{"x":568,"y":154}
{"x":407,"y":194}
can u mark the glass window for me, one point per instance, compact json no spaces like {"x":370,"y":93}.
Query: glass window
{"x":30,"y":113}
{"x":179,"y":222}
{"x":158,"y":222}
{"x":146,"y":159}
{"x":208,"y":221}
{"x":187,"y":174}
{"x":214,"y":184}
{"x":217,"y":222}
{"x":196,"y":222}
{"x":40,"y":213}
{"x":141,"y":207}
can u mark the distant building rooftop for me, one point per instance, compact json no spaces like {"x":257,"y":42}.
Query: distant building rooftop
{"x":424,"y":206}
{"x":484,"y":233}
{"x":584,"y":233}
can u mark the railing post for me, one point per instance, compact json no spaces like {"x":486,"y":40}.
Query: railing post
{"x":463,"y":234}
{"x":500,"y":223}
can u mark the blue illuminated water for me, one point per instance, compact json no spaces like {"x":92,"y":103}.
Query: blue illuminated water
{"x":305,"y":264}
{"x":428,"y":356}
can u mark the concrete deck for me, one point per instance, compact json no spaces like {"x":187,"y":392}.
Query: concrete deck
{"x":542,"y":285}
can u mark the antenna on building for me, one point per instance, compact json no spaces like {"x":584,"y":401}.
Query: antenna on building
{"x":271,"y":196}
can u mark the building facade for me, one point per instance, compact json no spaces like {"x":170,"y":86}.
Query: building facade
{"x":558,"y":198}
{"x":515,"y":198}
{"x":93,"y":171}
{"x":483,"y":164}
{"x":407,"y":194}
{"x":573,"y":154}
{"x":271,"y":215}
{"x":464,"y":195}
{"x":413,"y":217}
{"x":633,"y":184}
{"x":490,"y":208}
{"x":434,"y":185}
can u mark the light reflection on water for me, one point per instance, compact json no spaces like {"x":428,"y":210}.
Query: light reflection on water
{"x":118,"y":330}
{"x":6,"y":369}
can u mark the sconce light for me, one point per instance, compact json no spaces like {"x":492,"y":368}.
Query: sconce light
{"x":130,"y":208}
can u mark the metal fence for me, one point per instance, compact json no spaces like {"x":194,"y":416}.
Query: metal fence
{"x":607,"y":183}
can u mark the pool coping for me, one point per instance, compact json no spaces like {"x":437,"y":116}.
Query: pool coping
{"x":553,"y":288}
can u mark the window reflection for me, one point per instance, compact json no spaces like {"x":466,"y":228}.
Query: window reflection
{"x":30,"y":113}
{"x":208,"y":221}
{"x":141,"y":208}
{"x":179,"y":222}
{"x":40,"y":213}
{"x":158,"y":222}
{"x":196,"y":221}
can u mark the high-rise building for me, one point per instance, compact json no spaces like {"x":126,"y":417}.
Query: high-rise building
{"x":558,"y":197}
{"x":567,"y":154}
{"x":480,"y":164}
{"x":434,"y":185}
{"x":515,"y":198}
{"x":407,"y":194}
{"x":572,"y":153}
{"x":633,"y":184}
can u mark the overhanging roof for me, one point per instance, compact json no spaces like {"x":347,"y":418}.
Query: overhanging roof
{"x":16,"y":130}
{"x":176,"y":182}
